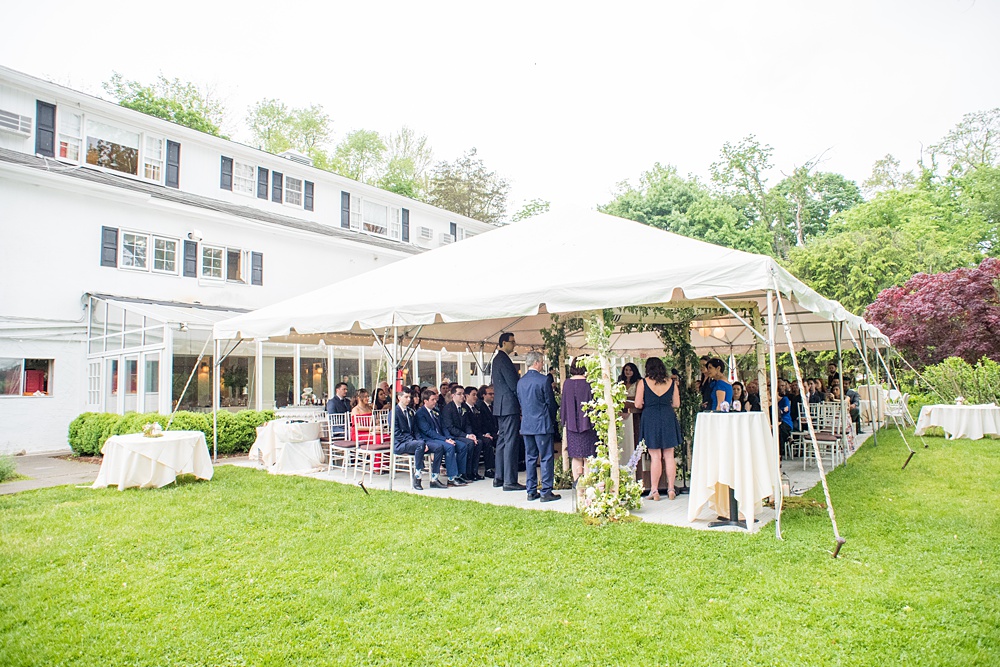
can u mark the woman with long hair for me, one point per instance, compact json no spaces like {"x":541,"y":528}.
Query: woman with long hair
{"x":739,"y":398}
{"x":630,"y":377}
{"x":581,"y":438}
{"x":658,"y":398}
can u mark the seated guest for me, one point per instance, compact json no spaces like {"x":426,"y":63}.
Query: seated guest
{"x":404,"y":442}
{"x":753,"y":397}
{"x":415,"y":394}
{"x":739,"y":398}
{"x":339,"y":403}
{"x":489,"y":424}
{"x":794,"y":394}
{"x":784,"y":416}
{"x":722,"y":391}
{"x":429,"y":430}
{"x":381,"y":398}
{"x":480,"y":425}
{"x":362,"y":403}
{"x":855,"y":403}
{"x":832,"y":376}
{"x":456,"y":423}
{"x":819,"y":394}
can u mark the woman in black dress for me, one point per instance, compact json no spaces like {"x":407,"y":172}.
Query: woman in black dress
{"x":658,"y":399}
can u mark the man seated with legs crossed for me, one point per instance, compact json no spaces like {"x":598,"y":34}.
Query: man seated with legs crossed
{"x":429,"y":429}
{"x":404,"y":442}
{"x":455,"y":417}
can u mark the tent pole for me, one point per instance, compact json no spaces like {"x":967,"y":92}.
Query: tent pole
{"x":838,"y":333}
{"x":394,"y":365}
{"x":812,"y":431}
{"x":875,"y":410}
{"x":772,"y":398}
{"x":215,"y":403}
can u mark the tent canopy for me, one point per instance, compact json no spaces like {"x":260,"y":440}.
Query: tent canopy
{"x":463,"y":295}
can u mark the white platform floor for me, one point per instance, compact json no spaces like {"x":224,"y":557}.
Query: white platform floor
{"x":668,"y":512}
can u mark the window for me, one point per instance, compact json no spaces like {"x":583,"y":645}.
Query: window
{"x":25,"y":377}
{"x":94,"y":383}
{"x":134,"y":251}
{"x":153,"y":159}
{"x":394,"y":223}
{"x":70,"y":131}
{"x":355,"y":212}
{"x":293,"y":191}
{"x":234,"y":266}
{"x":112,"y":148}
{"x":375,"y":218}
{"x":211,"y":262}
{"x":243,"y":178}
{"x":164,"y":255}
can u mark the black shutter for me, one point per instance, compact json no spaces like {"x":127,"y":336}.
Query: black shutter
{"x":45,"y":128}
{"x":226,"y":180}
{"x":109,"y":246}
{"x":190,"y":259}
{"x":345,"y":210}
{"x":173,"y":164}
{"x":308,"y":198}
{"x":256,"y":268}
{"x":406,"y":224}
{"x":277,"y":181}
{"x":261,"y":183}
{"x":453,"y":228}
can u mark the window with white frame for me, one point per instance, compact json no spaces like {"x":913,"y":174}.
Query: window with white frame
{"x":355,"y":213}
{"x":25,"y":377}
{"x":212,"y":261}
{"x":94,"y":383}
{"x":375,"y":218}
{"x":395,"y":223}
{"x":164,"y":255}
{"x":135,"y":251}
{"x":112,"y":147}
{"x":243,"y":178}
{"x":235,"y":265}
{"x":152,"y":159}
{"x":293,"y":191}
{"x":70,"y":135}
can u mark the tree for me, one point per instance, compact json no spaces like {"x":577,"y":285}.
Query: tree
{"x":361,"y":156}
{"x":974,"y":142}
{"x":886,"y":175}
{"x":467,"y":187}
{"x":407,"y":159}
{"x":170,"y":99}
{"x":936,"y":316}
{"x":668,"y":201}
{"x":530,"y":209}
{"x":276,"y":128}
{"x":811,"y":199}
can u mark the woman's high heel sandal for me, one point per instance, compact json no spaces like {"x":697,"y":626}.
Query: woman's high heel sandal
{"x":671,"y":494}
{"x":654,"y":494}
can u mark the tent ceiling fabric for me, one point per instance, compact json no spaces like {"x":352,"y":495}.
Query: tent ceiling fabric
{"x":559,"y":262}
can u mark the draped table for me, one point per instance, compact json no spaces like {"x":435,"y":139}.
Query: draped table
{"x":288,"y":447}
{"x":731,"y":450}
{"x":960,"y":421}
{"x":871,"y":403}
{"x":135,"y":460}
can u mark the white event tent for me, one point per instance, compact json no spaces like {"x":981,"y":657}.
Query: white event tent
{"x":461,"y":296}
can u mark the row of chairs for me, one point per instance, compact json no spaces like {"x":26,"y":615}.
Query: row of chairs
{"x":831,"y":434}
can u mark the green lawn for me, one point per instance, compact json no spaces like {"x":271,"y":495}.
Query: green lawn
{"x":252,"y":569}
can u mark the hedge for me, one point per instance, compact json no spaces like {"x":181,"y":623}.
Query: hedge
{"x":237,"y":432}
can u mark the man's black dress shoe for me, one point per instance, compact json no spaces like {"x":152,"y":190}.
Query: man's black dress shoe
{"x":461,"y":479}
{"x":497,"y":483}
{"x":491,"y":473}
{"x":534,"y":496}
{"x":549,"y":497}
{"x":456,"y":482}
{"x":417,"y":485}
{"x":514,"y":487}
{"x":437,"y":484}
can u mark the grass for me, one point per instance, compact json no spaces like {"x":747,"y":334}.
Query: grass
{"x":251,"y":569}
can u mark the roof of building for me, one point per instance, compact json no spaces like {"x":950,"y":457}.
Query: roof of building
{"x":85,"y":173}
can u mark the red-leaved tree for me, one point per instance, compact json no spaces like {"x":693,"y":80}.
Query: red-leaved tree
{"x":936,"y":316}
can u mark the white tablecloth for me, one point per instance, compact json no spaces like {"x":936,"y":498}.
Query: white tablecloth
{"x":307,"y":412}
{"x":736,"y":450}
{"x":871,"y":407}
{"x":135,"y":460}
{"x":288,"y":448}
{"x":960,"y":421}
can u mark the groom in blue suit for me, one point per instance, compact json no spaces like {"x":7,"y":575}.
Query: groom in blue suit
{"x":534,"y":393}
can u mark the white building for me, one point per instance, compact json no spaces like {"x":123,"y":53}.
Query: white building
{"x":123,"y":238}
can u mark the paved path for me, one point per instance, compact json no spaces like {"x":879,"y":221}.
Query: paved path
{"x":46,"y":470}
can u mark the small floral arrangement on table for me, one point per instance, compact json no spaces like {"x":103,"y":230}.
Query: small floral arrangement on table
{"x":960,"y":400}
{"x":307,"y":396}
{"x":152,"y":430}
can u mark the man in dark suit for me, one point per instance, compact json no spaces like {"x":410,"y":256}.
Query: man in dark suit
{"x":488,"y":423}
{"x":429,"y":429}
{"x":534,"y":393}
{"x":480,"y":424}
{"x":456,"y":419}
{"x":339,"y":404}
{"x":404,"y":442}
{"x":507,"y":410}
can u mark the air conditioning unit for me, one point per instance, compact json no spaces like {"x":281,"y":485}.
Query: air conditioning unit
{"x":295,"y":156}
{"x":15,"y":123}
{"x":446,"y":238}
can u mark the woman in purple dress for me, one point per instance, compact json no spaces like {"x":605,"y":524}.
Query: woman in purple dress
{"x":581,"y":439}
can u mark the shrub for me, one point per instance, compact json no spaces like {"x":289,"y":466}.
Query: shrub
{"x":192,"y":421}
{"x":95,"y":431}
{"x":75,"y":435}
{"x":6,"y":467}
{"x":955,"y":377}
{"x":132,"y":422}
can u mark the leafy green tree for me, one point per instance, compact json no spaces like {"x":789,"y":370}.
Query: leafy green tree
{"x":887,"y":175}
{"x":276,"y":128}
{"x":668,"y":201}
{"x":408,"y":157}
{"x":170,"y":99}
{"x":808,"y":200}
{"x":467,"y":187}
{"x":530,"y":209}
{"x":361,"y":156}
{"x":974,"y":142}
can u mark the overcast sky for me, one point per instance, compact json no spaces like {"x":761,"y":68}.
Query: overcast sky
{"x":565,"y":99}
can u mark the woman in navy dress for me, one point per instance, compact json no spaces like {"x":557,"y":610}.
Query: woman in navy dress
{"x":581,"y":438}
{"x":658,"y":399}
